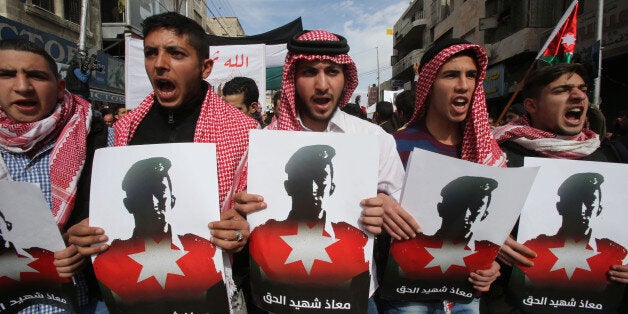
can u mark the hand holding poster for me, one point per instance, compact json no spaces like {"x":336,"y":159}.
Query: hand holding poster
{"x":29,"y":237}
{"x":154,"y":203}
{"x":466,"y":211}
{"x":575,"y":222}
{"x":308,"y":250}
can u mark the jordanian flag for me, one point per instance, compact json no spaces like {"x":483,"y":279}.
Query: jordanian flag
{"x":561,"y":43}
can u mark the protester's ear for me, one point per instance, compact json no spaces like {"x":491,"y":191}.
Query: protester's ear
{"x":60,"y":89}
{"x":254,"y":107}
{"x":531,"y":105}
{"x":207,"y":66}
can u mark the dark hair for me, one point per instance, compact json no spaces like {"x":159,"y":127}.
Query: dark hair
{"x":441,"y":45}
{"x":354,"y":110}
{"x":180,"y":25}
{"x":276,"y":98}
{"x":239,"y":85}
{"x":517,"y":109}
{"x":543,"y":76}
{"x":25,"y":45}
{"x":106,"y":111}
{"x":384,"y":110}
{"x":405,"y":103}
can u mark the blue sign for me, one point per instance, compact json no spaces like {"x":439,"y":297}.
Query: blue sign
{"x":62,"y":51}
{"x":494,"y":82}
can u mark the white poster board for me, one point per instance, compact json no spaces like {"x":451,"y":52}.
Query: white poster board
{"x":309,"y":243}
{"x":154,"y":203}
{"x":574,"y":220}
{"x":29,"y":236}
{"x":465,"y":210}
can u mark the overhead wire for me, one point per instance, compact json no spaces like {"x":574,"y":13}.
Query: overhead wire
{"x":214,"y":15}
{"x":228,"y":7}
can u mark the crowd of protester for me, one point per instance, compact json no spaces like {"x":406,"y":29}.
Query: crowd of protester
{"x":445,"y":112}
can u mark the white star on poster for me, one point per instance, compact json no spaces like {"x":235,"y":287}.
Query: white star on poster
{"x":12,"y":265}
{"x":307,"y":245}
{"x":447,"y":255}
{"x":568,"y":40}
{"x":158,"y":260}
{"x":573,"y":255}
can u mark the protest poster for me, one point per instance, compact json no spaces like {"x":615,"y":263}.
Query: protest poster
{"x":466,"y":211}
{"x":29,"y":236}
{"x":154,"y":203}
{"x":575,"y":221}
{"x":308,"y":250}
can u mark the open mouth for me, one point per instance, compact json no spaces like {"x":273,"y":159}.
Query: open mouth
{"x":460,"y":105}
{"x":321,"y":104}
{"x":574,"y":114}
{"x":460,"y":102}
{"x":25,"y":103}
{"x":26,"y":107}
{"x":322,"y":101}
{"x":165,"y":87}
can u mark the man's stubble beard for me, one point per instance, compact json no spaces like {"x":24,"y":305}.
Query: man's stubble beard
{"x":305,"y":111}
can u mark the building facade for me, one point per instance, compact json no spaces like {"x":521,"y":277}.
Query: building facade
{"x":512,"y":32}
{"x":54,"y":25}
{"x":225,"y":26}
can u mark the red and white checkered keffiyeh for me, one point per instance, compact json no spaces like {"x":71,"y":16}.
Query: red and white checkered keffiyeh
{"x":288,"y":118}
{"x":218,"y":123}
{"x":478,"y":144}
{"x":547,"y":144}
{"x":69,"y":124}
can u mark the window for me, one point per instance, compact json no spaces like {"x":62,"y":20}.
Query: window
{"x":48,"y":5}
{"x":72,"y":10}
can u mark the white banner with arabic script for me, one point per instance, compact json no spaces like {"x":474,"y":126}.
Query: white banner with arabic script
{"x":229,"y":62}
{"x":240,"y":60}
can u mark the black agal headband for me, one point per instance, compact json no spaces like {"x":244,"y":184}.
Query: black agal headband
{"x":318,"y":47}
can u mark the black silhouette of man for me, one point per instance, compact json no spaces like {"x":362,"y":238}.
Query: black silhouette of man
{"x":464,"y":199}
{"x":306,"y":255}
{"x":310,"y":181}
{"x":157,"y":269}
{"x":568,"y":259}
{"x":149,"y":196}
{"x":446,"y":257}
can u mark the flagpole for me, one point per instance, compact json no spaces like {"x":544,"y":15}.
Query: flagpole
{"x":597,"y":82}
{"x":514,"y":95}
{"x":557,"y":28}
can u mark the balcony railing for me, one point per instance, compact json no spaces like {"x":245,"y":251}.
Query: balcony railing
{"x":405,"y":25}
{"x":407,"y":61}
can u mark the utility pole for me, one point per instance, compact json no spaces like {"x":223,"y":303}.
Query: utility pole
{"x":378,"y":88}
{"x":83,"y":30}
{"x":79,"y":72}
{"x":597,"y":82}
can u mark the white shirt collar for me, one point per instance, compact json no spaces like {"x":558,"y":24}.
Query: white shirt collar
{"x":336,"y":123}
